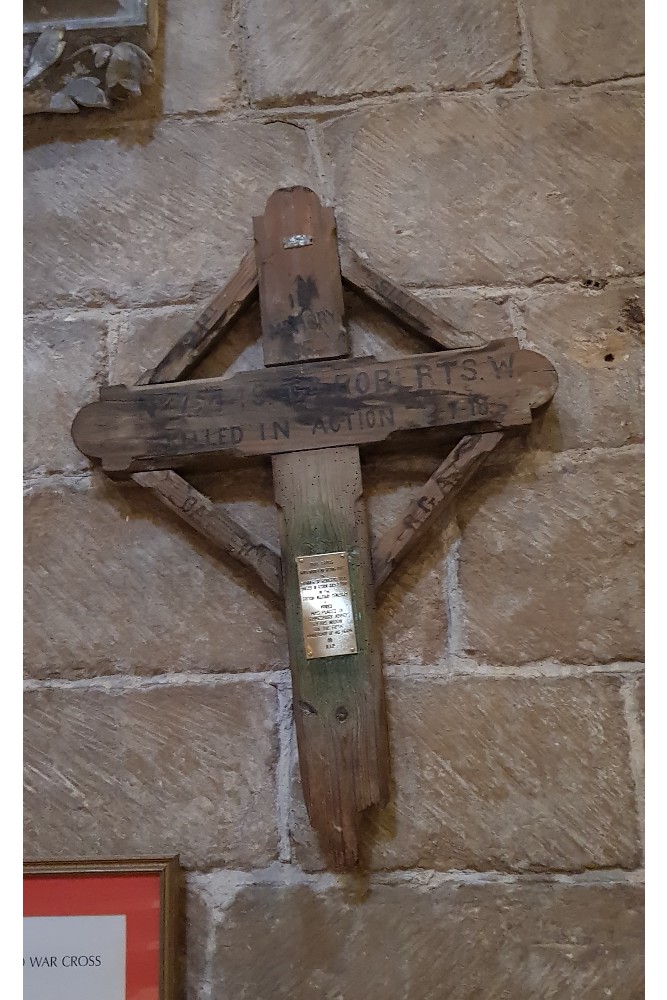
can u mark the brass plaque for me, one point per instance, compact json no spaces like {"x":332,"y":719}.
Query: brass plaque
{"x":326,"y":605}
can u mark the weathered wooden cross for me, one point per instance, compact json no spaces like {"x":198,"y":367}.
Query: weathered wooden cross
{"x":310,"y":408}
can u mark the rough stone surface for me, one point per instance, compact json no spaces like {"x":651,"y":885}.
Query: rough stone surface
{"x":551,"y":562}
{"x":576,"y":42}
{"x":501,"y":774}
{"x":411,"y":606}
{"x":302,"y":50}
{"x":153,"y":213}
{"x":139,"y":338}
{"x":595,"y":340}
{"x":479,"y":319}
{"x":116,"y":584}
{"x":163,"y":771}
{"x":62,"y":365}
{"x":194,"y":935}
{"x":464,"y":160}
{"x":198,"y":60}
{"x":640,"y":696}
{"x":491,"y":189}
{"x":458,"y":941}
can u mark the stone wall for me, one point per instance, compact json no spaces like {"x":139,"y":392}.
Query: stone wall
{"x":488,"y":155}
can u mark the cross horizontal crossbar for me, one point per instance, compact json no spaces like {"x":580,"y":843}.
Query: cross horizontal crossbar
{"x":324,"y":404}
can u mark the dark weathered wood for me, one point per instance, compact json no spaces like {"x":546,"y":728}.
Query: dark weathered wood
{"x":338,"y":701}
{"x":173,"y":491}
{"x":215,"y":320}
{"x":431,"y":502}
{"x":301,"y":295}
{"x":309,"y":414}
{"x":324,"y":404}
{"x":211,"y":522}
{"x":403,"y":306}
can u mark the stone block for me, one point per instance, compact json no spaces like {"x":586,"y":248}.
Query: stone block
{"x":551,"y":561}
{"x":63,"y":356}
{"x":452,"y":940}
{"x":585,"y":42}
{"x":195,"y":936}
{"x":492,"y":189}
{"x":151,"y":213}
{"x":140,"y":338}
{"x":114,"y":583}
{"x":198,"y":56}
{"x":411,"y":606}
{"x":306,"y":51}
{"x":502,"y":775}
{"x":169,"y":770}
{"x":595,"y":340}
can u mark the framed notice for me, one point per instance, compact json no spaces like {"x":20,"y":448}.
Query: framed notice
{"x":100,"y":930}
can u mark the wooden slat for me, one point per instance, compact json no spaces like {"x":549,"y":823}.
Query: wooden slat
{"x":407,"y":308}
{"x":301,"y":296}
{"x":432,"y":502}
{"x":324,"y":404}
{"x":338,"y":701}
{"x":215,"y":320}
{"x":172,"y":490}
{"x":211,"y":522}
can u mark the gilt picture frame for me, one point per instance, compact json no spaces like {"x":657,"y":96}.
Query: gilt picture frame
{"x":104,"y":928}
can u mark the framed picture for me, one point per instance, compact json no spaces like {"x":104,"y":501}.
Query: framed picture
{"x":100,"y":930}
{"x":86,"y":53}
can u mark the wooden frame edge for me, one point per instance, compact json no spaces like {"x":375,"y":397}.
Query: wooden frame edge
{"x":399,"y":303}
{"x":429,"y":504}
{"x":51,"y":75}
{"x":169,"y":869}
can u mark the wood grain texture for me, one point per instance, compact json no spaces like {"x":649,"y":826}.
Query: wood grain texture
{"x":170,"y":488}
{"x":326,"y":404}
{"x":211,"y":522}
{"x":338,"y":701}
{"x":431,"y":502}
{"x":301,"y":296}
{"x":215,"y":320}
{"x":406,"y":308}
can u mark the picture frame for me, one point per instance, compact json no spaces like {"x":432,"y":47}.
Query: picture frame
{"x":86,"y":53}
{"x":105,"y":928}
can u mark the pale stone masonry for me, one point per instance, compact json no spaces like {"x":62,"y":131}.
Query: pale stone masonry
{"x":487,"y":154}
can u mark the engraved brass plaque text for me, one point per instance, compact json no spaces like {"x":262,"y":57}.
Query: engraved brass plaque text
{"x":326,"y":605}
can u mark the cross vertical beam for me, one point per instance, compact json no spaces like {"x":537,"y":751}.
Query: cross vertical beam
{"x":339,"y":704}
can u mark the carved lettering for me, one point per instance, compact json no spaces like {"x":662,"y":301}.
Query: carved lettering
{"x":362,"y":383}
{"x":479,"y":406}
{"x":370,"y":417}
{"x":470,"y":368}
{"x":447,"y":366}
{"x":343,"y":382}
{"x":502,"y":368}
{"x":424,"y":372}
{"x":382,"y":380}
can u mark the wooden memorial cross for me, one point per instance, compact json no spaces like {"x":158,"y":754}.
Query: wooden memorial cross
{"x":311,"y":408}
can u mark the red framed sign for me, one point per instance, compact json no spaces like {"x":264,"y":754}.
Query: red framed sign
{"x":100,"y":930}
